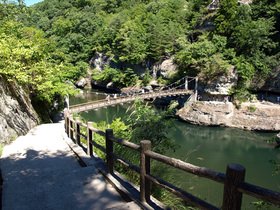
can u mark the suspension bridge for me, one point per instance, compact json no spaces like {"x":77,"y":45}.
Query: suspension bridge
{"x":180,"y":87}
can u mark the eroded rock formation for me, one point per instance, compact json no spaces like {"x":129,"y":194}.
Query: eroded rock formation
{"x":251,"y":116}
{"x":17,"y":116}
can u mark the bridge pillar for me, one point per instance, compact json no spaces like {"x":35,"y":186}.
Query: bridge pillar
{"x":186,"y":83}
{"x":195,"y":89}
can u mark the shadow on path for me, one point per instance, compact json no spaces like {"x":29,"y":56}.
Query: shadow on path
{"x":40,"y":172}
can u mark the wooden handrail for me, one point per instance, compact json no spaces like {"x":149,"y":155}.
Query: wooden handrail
{"x":196,"y":170}
{"x":233,"y":180}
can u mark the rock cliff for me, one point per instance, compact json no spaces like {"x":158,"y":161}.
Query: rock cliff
{"x":251,"y":116}
{"x":17,"y":116}
{"x":165,"y":68}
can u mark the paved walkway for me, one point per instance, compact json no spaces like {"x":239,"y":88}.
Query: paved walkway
{"x":40,"y":172}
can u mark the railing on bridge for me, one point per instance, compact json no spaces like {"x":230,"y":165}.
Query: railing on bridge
{"x":113,"y":101}
{"x":233,"y":180}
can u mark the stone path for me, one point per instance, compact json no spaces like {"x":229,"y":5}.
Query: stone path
{"x":40,"y":172}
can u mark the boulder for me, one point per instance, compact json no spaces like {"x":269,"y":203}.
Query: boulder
{"x":167,"y":68}
{"x":214,"y":5}
{"x":81,"y":83}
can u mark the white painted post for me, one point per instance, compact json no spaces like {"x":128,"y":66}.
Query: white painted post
{"x":186,"y":83}
{"x":67,"y":102}
{"x":195,"y":89}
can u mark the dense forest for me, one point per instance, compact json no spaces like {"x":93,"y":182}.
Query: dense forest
{"x":54,"y":40}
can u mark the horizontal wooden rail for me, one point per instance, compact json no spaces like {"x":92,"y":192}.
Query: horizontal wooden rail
{"x":101,"y":133}
{"x":181,"y":193}
{"x":125,"y":143}
{"x":233,"y":180}
{"x":260,"y":193}
{"x":126,"y":163}
{"x":196,"y":170}
{"x":98,"y":146}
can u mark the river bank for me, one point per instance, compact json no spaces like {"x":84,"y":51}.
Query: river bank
{"x":259,"y":116}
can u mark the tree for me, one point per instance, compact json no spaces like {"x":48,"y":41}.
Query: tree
{"x":225,"y":15}
{"x":25,"y":57}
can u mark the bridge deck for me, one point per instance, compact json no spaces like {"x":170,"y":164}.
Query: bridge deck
{"x":104,"y":103}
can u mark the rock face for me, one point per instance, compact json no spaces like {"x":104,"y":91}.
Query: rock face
{"x":223,"y":84}
{"x":251,"y":116}
{"x":17,"y":116}
{"x":165,"y":68}
{"x":272,"y":84}
{"x":100,"y":60}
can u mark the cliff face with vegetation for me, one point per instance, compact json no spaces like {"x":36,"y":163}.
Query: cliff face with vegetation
{"x":17,"y":115}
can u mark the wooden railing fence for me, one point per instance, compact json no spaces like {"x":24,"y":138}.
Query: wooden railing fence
{"x":233,"y":180}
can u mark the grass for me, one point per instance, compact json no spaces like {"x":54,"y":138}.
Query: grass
{"x":1,"y":149}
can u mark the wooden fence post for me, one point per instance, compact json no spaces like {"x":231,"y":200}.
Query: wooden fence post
{"x":89,"y":139}
{"x":234,"y":177}
{"x":65,"y":120}
{"x":109,"y":151}
{"x":71,"y":133}
{"x":66,"y":123}
{"x":144,"y":169}
{"x":77,"y":130}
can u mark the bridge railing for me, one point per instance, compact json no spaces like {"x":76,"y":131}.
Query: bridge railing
{"x":233,"y":180}
{"x":124,"y":99}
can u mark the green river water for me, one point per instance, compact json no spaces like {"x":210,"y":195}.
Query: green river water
{"x":210,"y":147}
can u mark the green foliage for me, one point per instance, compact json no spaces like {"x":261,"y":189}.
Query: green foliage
{"x":260,"y":205}
{"x":144,"y":31}
{"x":74,"y":73}
{"x":143,"y":118}
{"x":119,"y":77}
{"x":146,"y":78}
{"x":1,"y":148}
{"x":276,"y":165}
{"x":134,"y":30}
{"x":210,"y":58}
{"x":252,"y":108}
{"x":11,"y":9}
{"x":225,"y":16}
{"x":26,"y":58}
